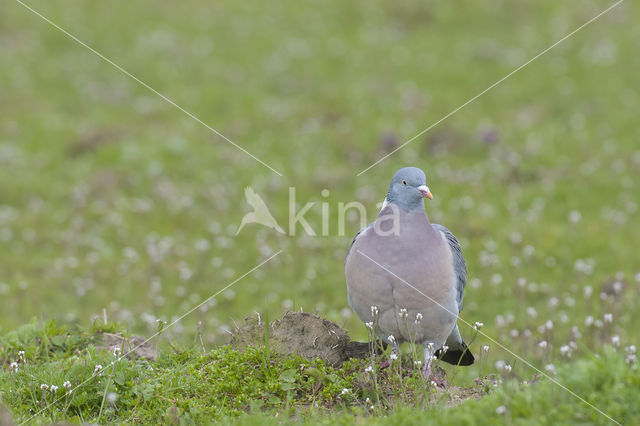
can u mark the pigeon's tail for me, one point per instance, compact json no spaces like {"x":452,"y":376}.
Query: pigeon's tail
{"x":458,"y":356}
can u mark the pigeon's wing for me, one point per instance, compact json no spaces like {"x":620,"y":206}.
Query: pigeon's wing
{"x":459,"y":265}
{"x":458,"y":353}
{"x":360,"y":232}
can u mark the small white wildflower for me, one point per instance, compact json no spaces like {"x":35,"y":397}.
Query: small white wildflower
{"x":116,"y":351}
{"x":444,"y":349}
{"x":630,"y":359}
{"x":374,"y":311}
{"x":97,"y":368}
{"x":53,"y":389}
{"x":573,"y":345}
{"x":433,"y":357}
{"x":391,"y":339}
{"x":542,"y":344}
{"x":485,"y":348}
{"x":565,"y":350}
{"x":14,"y":367}
{"x":608,"y":318}
{"x":598,"y":323}
{"x":550,"y":368}
{"x":507,"y":368}
{"x":588,"y":321}
{"x":369,"y":369}
{"x":112,"y":397}
{"x":344,"y":391}
{"x":615,"y":340}
{"x":44,"y":386}
{"x":478,"y":325}
{"x":418,"y":317}
{"x":369,"y":325}
{"x":393,"y":356}
{"x":434,"y":384}
{"x":500,"y":364}
{"x":372,"y":407}
{"x":531,"y":311}
{"x":576,"y":332}
{"x":21,"y":355}
{"x":403,"y":313}
{"x":67,"y":385}
{"x":587,"y":291}
{"x":549,"y":325}
{"x":368,"y":400}
{"x":501,"y":409}
{"x":514,"y":333}
{"x":417,"y":363}
{"x":631,"y":349}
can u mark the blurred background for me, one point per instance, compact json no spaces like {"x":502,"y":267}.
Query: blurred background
{"x":113,"y":202}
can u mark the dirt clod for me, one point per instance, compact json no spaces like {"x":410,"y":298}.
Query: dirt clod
{"x":301,"y":333}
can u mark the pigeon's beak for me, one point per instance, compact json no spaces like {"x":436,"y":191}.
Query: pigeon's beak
{"x":424,"y":190}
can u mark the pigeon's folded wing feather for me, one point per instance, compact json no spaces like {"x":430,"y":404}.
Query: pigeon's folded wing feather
{"x":459,"y":265}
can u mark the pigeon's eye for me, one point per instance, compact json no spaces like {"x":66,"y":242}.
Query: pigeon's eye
{"x":404,"y":182}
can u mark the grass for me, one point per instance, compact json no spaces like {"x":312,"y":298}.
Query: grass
{"x":114,"y":203}
{"x":186,"y":386}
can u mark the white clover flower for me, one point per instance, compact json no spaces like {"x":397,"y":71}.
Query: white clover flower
{"x":391,"y":339}
{"x":550,"y":368}
{"x":369,"y":369}
{"x":478,"y":325}
{"x":14,"y":367}
{"x":485,"y":348}
{"x":608,"y":318}
{"x":374,"y":311}
{"x":615,"y":340}
{"x":344,"y":391}
{"x":53,"y":389}
{"x":393,"y":356}
{"x":543,"y":344}
{"x":501,"y":409}
{"x":403,"y":313}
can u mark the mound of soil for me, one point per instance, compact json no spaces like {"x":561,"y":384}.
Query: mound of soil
{"x":301,"y":333}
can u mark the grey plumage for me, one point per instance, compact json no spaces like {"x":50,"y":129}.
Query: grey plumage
{"x":418,"y":268}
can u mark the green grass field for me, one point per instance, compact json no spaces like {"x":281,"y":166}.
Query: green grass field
{"x":116,"y":204}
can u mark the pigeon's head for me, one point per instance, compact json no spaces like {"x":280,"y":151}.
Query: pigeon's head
{"x":408,"y":189}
